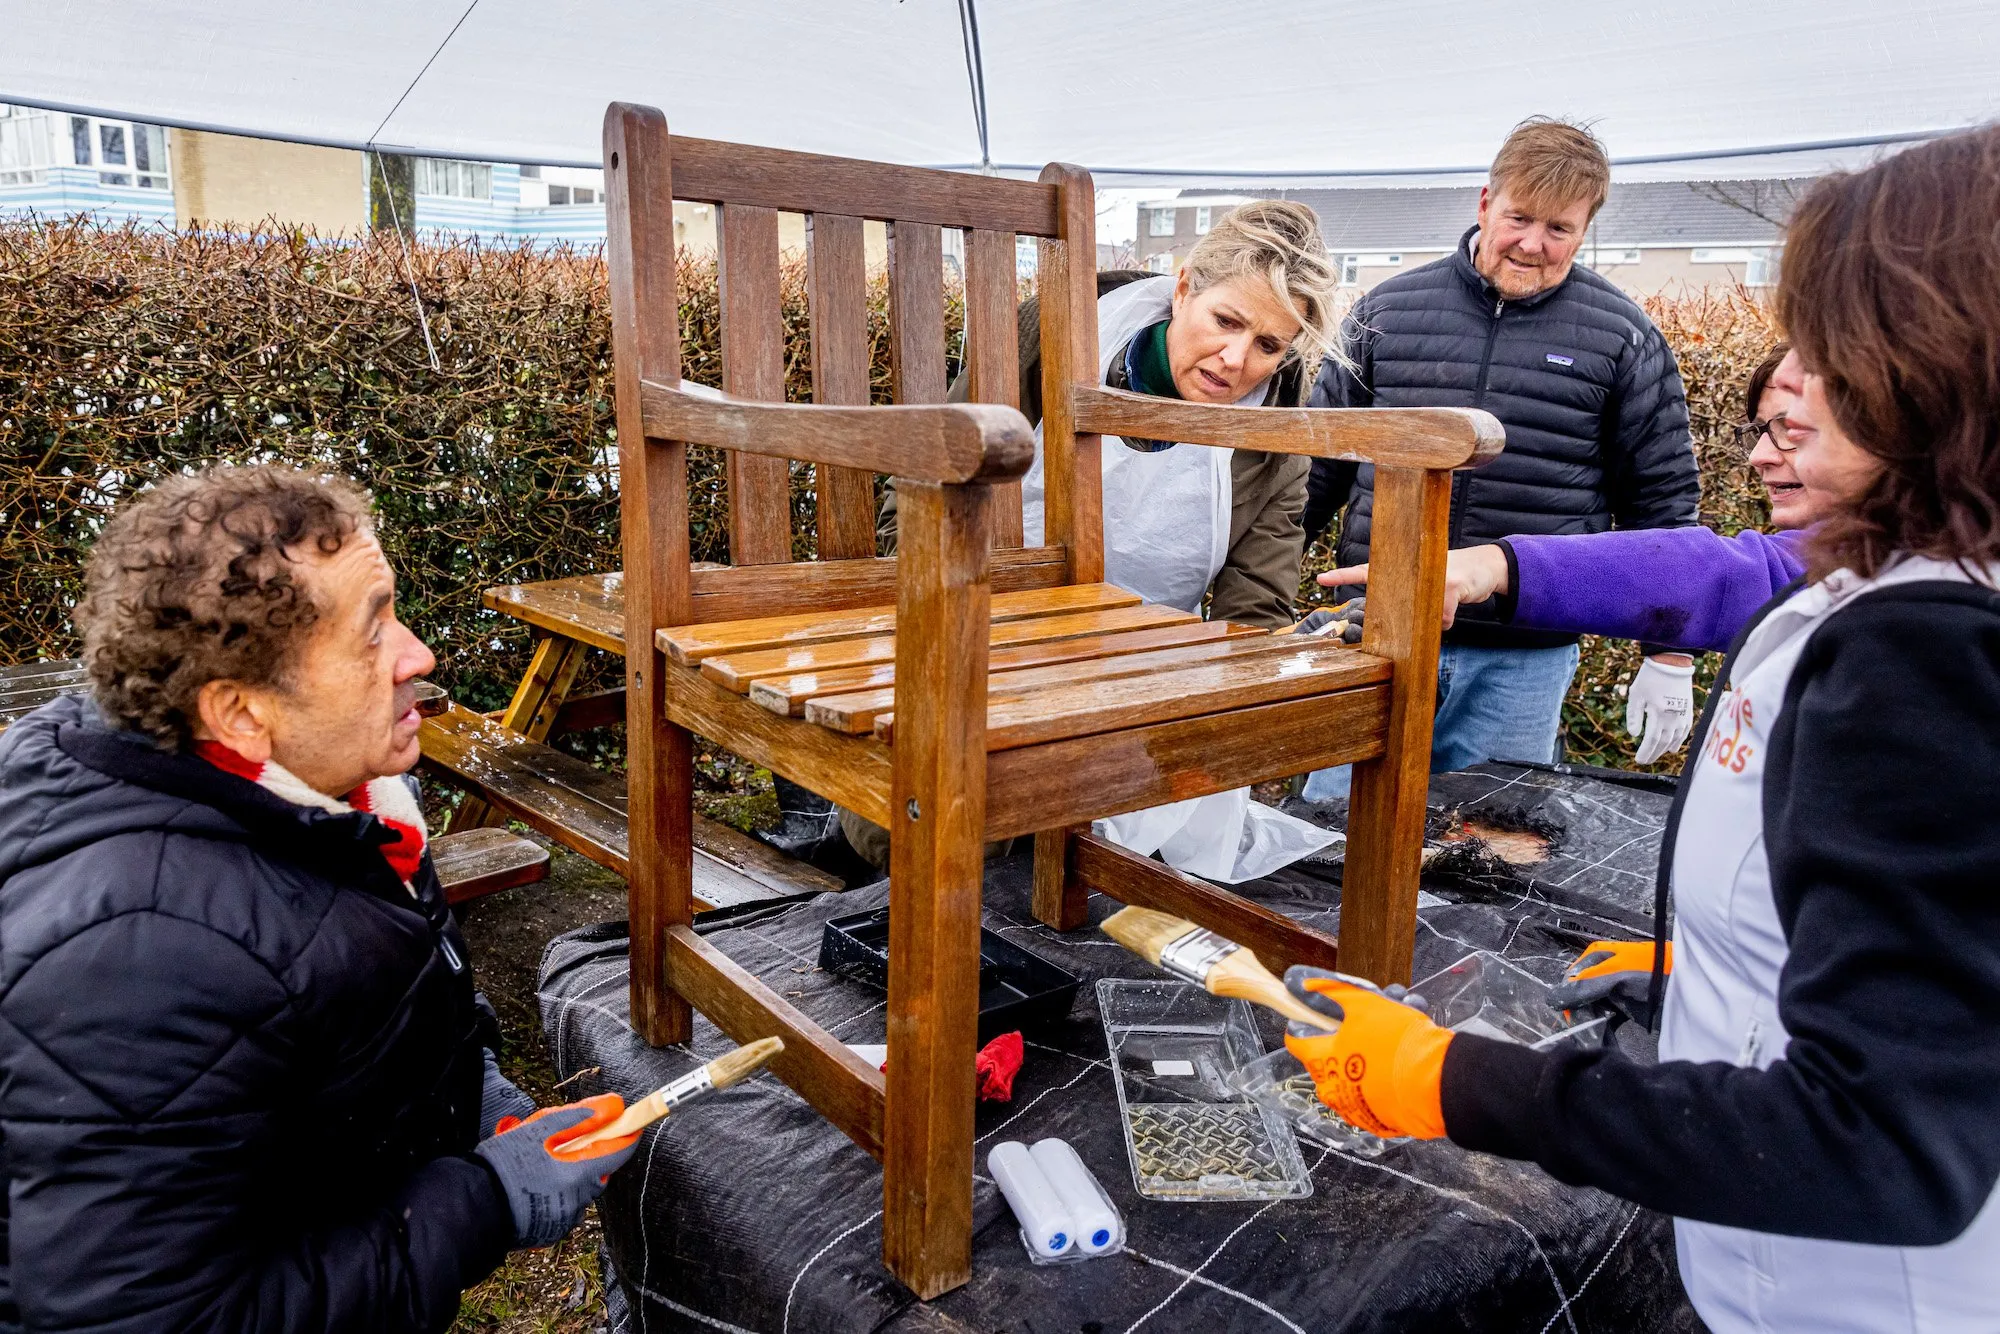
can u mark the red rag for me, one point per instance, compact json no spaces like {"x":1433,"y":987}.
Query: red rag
{"x":999,"y":1061}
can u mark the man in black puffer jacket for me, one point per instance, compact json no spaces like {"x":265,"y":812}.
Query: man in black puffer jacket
{"x":1597,"y":433}
{"x":245,"y":1081}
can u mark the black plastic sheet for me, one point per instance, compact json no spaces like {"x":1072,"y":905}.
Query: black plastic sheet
{"x":748,"y":1211}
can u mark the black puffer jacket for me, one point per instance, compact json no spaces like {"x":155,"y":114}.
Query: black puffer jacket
{"x":1596,"y":417}
{"x":239,"y":1064}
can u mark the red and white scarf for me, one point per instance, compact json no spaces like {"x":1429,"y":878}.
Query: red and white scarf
{"x":387,"y":799}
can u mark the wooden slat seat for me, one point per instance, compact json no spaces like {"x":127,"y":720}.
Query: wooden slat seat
{"x":478,"y":862}
{"x":689,"y":645}
{"x":1042,"y":704}
{"x":25,"y":688}
{"x":788,"y":693}
{"x":738,"y":671}
{"x":584,"y":809}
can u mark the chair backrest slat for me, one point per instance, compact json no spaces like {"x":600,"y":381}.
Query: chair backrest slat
{"x":993,"y":350}
{"x":837,"y":298}
{"x":916,"y":311}
{"x":1073,"y":507}
{"x":753,"y":366}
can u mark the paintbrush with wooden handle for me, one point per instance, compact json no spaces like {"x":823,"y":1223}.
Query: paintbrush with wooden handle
{"x":729,"y":1068}
{"x":1216,"y":964}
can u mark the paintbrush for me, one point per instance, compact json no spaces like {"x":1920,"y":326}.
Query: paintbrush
{"x":729,"y":1068}
{"x":1214,"y":963}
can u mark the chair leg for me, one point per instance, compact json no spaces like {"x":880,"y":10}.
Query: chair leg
{"x":660,"y":877}
{"x":1060,"y":896}
{"x":1385,"y":821}
{"x":937,"y":832}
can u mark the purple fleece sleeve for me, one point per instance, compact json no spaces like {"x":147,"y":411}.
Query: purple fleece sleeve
{"x":1685,"y":588}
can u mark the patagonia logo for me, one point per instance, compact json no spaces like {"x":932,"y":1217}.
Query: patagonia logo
{"x":1561,"y":360}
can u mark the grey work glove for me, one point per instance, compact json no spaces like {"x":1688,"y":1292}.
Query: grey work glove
{"x":498,"y":1097}
{"x":1321,"y":622}
{"x":1616,"y":975}
{"x":547,"y":1193}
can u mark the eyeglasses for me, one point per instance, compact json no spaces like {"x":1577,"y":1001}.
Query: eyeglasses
{"x":1780,"y":431}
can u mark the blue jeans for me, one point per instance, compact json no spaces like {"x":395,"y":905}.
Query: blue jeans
{"x":1493,"y":704}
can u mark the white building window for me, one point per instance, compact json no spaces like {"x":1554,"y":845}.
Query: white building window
{"x":124,"y":153}
{"x":1162,"y":262}
{"x":1762,"y":271}
{"x":1202,"y":221}
{"x":27,"y":145}
{"x":1719,"y":255}
{"x":1162,"y":223}
{"x":1605,"y":258}
{"x":560,"y":187}
{"x":1350,"y":269}
{"x":453,"y":179}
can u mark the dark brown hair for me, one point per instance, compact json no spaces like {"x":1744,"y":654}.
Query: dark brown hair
{"x":1891,"y":293}
{"x":1552,"y":163}
{"x":197,"y":580}
{"x":1760,"y":380}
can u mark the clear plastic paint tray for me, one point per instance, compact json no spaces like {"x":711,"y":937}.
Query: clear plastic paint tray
{"x":1481,"y":993}
{"x":1484,"y":994}
{"x":1191,"y":1134}
{"x":1280,"y":1085}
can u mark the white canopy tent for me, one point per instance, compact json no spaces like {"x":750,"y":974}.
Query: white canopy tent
{"x":1160,"y":93}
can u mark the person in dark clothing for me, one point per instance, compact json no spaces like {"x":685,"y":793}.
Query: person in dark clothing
{"x":247,"y":1084}
{"x":1597,"y":433}
{"x":1824,"y":1119}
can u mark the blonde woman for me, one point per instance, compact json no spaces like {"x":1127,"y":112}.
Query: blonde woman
{"x":1245,"y":320}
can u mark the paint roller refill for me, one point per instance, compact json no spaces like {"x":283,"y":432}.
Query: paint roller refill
{"x":1097,"y":1226}
{"x":1044,"y":1222}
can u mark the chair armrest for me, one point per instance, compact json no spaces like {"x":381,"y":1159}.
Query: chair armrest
{"x":1395,"y":437}
{"x":948,"y":442}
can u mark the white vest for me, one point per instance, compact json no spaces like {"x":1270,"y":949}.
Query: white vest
{"x":1729,"y":951}
{"x":1166,"y":514}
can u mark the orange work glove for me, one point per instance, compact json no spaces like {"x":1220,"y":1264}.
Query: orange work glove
{"x":1614,"y":973}
{"x":1381,"y":1070}
{"x":604,"y":1108}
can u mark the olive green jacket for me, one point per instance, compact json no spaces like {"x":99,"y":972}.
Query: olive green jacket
{"x":1260,"y":575}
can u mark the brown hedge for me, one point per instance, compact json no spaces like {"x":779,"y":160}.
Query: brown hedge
{"x":129,"y":352}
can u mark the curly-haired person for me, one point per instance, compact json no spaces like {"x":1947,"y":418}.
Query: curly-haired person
{"x":245,"y":1081}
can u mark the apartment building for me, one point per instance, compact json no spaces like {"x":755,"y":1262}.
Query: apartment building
{"x":1649,"y":236}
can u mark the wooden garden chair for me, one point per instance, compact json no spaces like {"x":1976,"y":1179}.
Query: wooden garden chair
{"x":970,"y":688}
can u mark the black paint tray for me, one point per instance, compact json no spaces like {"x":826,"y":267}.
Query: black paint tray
{"x":1017,"y":990}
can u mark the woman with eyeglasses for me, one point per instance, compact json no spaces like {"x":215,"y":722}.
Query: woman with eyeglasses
{"x":1687,"y":588}
{"x":1824,"y":1119}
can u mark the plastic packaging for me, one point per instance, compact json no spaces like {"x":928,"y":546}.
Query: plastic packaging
{"x":1097,"y":1226}
{"x":1488,"y":996}
{"x":1192,"y":1135}
{"x":1045,"y":1223}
